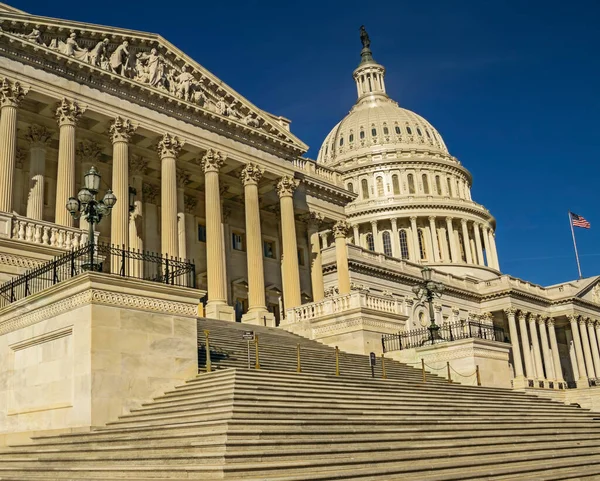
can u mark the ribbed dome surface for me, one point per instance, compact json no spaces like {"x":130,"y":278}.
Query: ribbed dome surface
{"x":378,"y":123}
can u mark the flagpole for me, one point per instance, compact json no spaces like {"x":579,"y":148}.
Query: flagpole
{"x":575,"y":244}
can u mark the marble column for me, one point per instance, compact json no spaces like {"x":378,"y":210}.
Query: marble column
{"x":11,"y":95}
{"x":325,"y":239}
{"x":582,"y":382}
{"x":314,"y":222}
{"x":168,"y":150}
{"x":494,"y":250}
{"x":120,"y":133}
{"x":257,"y":310}
{"x":434,"y":240}
{"x":340,"y":231}
{"x":467,"y":244}
{"x":546,"y":355}
{"x":525,"y":344}
{"x":216,"y":307}
{"x":375,"y":232}
{"x":415,"y":237}
{"x":537,"y":354}
{"x":356,"y":234}
{"x":558,"y":376}
{"x":597,"y":326}
{"x":587,"y":351}
{"x":291,"y":285}
{"x":594,"y":346}
{"x":516,"y":350}
{"x":453,"y":251}
{"x":68,"y":114}
{"x":183,"y":179}
{"x":488,"y":251}
{"x":138,"y":167}
{"x":477,"y":235}
{"x":395,"y":239}
{"x":38,"y":138}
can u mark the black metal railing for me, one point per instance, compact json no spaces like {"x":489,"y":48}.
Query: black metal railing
{"x":446,"y":332}
{"x":106,"y":258}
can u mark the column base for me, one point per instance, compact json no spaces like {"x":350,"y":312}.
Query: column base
{"x":220,"y":311}
{"x":520,"y":382}
{"x":583,"y":383}
{"x":259,"y":318}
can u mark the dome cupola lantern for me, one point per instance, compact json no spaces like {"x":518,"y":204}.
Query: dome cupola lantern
{"x":369,"y":76}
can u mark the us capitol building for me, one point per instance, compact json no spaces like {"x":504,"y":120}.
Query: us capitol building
{"x":328,"y":248}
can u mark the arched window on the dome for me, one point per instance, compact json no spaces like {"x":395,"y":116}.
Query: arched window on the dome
{"x":461,"y":245}
{"x":427,"y":133}
{"x":386,"y":131}
{"x":370,"y":243}
{"x":458,"y":193}
{"x":438,"y":185}
{"x":408,"y":130}
{"x":380,"y":191}
{"x":351,"y":138}
{"x":362,"y":134}
{"x":341,"y":141}
{"x":396,"y":184}
{"x":403,"y":243}
{"x":425,"y":181}
{"x":398,"y":131}
{"x":449,"y":186}
{"x":326,"y":149}
{"x":419,"y":132}
{"x":387,"y":244}
{"x":411,"y":183}
{"x":422,"y":248}
{"x":350,"y":187}
{"x":374,"y":132}
{"x":365,"y":188}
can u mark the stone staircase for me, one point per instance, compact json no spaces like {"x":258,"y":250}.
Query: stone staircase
{"x":276,"y":424}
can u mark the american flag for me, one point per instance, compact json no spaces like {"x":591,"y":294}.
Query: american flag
{"x":579,"y":221}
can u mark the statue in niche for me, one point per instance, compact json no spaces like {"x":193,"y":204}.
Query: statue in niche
{"x":70,"y":48}
{"x":184,"y":84}
{"x":99,"y":52}
{"x":364,"y":37}
{"x":119,"y":59}
{"x":153,"y":68}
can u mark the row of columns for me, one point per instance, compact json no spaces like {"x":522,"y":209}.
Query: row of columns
{"x":585,"y":335}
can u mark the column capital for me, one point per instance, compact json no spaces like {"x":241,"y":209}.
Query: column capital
{"x":541,"y":320}
{"x":88,"y":151}
{"x":394,"y":222}
{"x":190,"y":202}
{"x":313,"y":220}
{"x":38,"y":136}
{"x":121,"y":130}
{"x":150,"y":192}
{"x":286,"y":186}
{"x":413,"y":218}
{"x":522,"y":315}
{"x":212,"y":160}
{"x":532,"y":317}
{"x":463,"y":221}
{"x":251,"y":174}
{"x":449,"y":219}
{"x":68,"y":112}
{"x":551,"y":322}
{"x":432,"y":218}
{"x":169,"y":146}
{"x":11,"y":93}
{"x":510,"y":311}
{"x":589,"y":321}
{"x":340,"y":229}
{"x":182,"y":178}
{"x":582,"y":321}
{"x":374,"y":223}
{"x":138,"y":165}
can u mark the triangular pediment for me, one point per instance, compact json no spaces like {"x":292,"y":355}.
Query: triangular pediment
{"x":590,"y":291}
{"x":147,"y":62}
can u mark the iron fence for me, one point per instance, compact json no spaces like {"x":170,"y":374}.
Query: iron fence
{"x":100,"y":257}
{"x":447,"y":332}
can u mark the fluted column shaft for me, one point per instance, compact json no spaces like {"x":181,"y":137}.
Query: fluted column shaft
{"x":181,"y":229}
{"x":466,"y":243}
{"x":547,"y":357}
{"x":415,"y":236}
{"x":494,"y":250}
{"x":583,"y":377}
{"x":514,"y":340}
{"x":525,"y":345}
{"x":453,"y":251}
{"x":395,"y":239}
{"x":434,"y":239}
{"x":488,"y":251}
{"x":587,"y":352}
{"x":477,"y":235}
{"x":168,"y":150}
{"x":555,"y":353}
{"x":38,"y":138}
{"x":537,"y":355}
{"x":375,"y":232}
{"x":340,"y":231}
{"x":316,"y":263}
{"x":356,"y":234}
{"x":594,"y":346}
{"x":291,"y":285}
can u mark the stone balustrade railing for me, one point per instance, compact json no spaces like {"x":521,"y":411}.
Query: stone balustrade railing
{"x":343,"y":303}
{"x":312,"y":167}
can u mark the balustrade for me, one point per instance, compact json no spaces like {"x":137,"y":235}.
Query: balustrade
{"x":46,"y":233}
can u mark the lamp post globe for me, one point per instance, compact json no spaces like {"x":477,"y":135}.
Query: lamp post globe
{"x":427,"y":290}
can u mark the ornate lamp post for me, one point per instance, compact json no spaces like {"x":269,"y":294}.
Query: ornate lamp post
{"x":85,"y":205}
{"x":428,"y":290}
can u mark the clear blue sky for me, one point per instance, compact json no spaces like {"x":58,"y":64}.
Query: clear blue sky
{"x":512,"y":86}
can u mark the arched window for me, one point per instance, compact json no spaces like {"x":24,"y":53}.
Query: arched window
{"x":403,"y":244}
{"x":419,"y":132}
{"x":386,"y":131}
{"x":425,"y":183}
{"x":449,"y":187}
{"x":380,"y":191}
{"x":408,"y":130}
{"x":341,"y":141}
{"x":362,"y":134}
{"x":374,"y":132}
{"x":395,"y":184}
{"x":365,"y":188}
{"x":350,"y":187}
{"x":411,"y":184}
{"x":398,"y":131}
{"x":351,"y":138}
{"x":461,"y":246}
{"x":427,"y":132}
{"x":370,"y":243}
{"x":387,"y":244}
{"x":438,"y":185}
{"x":422,"y":248}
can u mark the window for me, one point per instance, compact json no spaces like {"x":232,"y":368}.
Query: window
{"x":461,"y":245}
{"x":386,"y":131}
{"x":341,"y":141}
{"x":201,"y":233}
{"x":269,"y":249}
{"x":380,"y":191}
{"x":237,"y":241}
{"x":395,"y":184}
{"x":403,"y":244}
{"x":387,"y":244}
{"x":449,"y":187}
{"x":351,"y":138}
{"x":350,"y":187}
{"x":411,"y":184}
{"x":458,"y":188}
{"x":427,"y":132}
{"x":422,"y":248}
{"x":398,"y":131}
{"x":419,"y":132}
{"x":408,"y":130}
{"x":374,"y":132}
{"x":425,"y":183}
{"x":365,"y":188}
{"x":301,"y":261}
{"x":438,"y":185}
{"x":362,"y":134}
{"x":370,"y":243}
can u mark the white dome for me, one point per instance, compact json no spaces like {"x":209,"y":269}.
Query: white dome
{"x":375,"y":124}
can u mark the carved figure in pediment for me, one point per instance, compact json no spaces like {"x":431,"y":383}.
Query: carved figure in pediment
{"x":99,"y":52}
{"x":35,"y":36}
{"x":596,"y":294}
{"x":184,"y":82}
{"x":251,"y":121}
{"x":71,"y":48}
{"x":153,"y":68}
{"x":119,"y":59}
{"x":221,"y":106}
{"x":199,"y":96}
{"x":232,"y":111}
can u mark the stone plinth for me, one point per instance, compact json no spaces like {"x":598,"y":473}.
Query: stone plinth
{"x":464,"y":356}
{"x":89,"y":349}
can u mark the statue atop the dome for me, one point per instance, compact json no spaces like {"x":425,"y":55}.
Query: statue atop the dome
{"x":364,"y":37}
